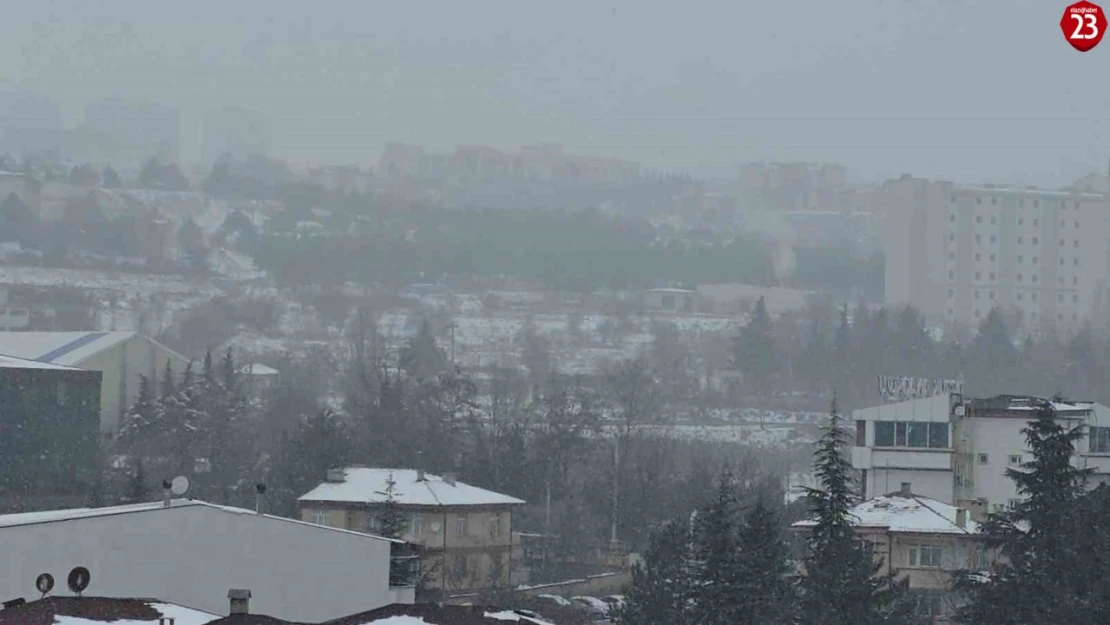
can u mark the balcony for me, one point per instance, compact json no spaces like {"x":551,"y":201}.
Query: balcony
{"x":404,"y":566}
{"x":902,"y":458}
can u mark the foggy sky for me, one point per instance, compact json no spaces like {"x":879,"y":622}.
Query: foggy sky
{"x":929,"y":87}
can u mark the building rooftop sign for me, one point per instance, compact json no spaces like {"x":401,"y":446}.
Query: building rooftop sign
{"x":899,"y":388}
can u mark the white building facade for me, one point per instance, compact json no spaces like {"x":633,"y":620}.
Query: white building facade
{"x":193,"y":553}
{"x":956,"y":252}
{"x":956,"y":450}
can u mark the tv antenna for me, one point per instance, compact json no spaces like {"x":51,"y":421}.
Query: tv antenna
{"x":180,"y":485}
{"x":45,"y":583}
{"x":78,"y":580}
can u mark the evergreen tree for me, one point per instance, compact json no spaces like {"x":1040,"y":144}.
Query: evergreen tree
{"x":842,"y":584}
{"x":717,"y":559}
{"x":1044,"y":575}
{"x":421,"y":357}
{"x":754,"y":350}
{"x":391,"y":520}
{"x":110,"y":178}
{"x":661,"y":583}
{"x":764,"y":586}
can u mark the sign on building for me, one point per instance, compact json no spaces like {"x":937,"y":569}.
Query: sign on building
{"x":899,"y":388}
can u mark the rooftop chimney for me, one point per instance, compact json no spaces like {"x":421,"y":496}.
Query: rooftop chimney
{"x":240,"y":601}
{"x":337,"y":475}
{"x":420,"y":475}
{"x":167,"y":494}
{"x":449,"y":478}
{"x":906,"y":490}
{"x":165,"y":620}
{"x":961,"y":518}
{"x":259,"y":490}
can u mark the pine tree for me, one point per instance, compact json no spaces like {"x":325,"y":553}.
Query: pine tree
{"x":754,"y":350}
{"x":717,"y":558}
{"x":1044,"y":576}
{"x":842,"y":584}
{"x":764,"y":585}
{"x":111,"y":179}
{"x":661,"y":583}
{"x":391,"y":521}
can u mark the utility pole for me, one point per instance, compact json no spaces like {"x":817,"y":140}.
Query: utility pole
{"x":616,"y":482}
{"x":452,"y":328}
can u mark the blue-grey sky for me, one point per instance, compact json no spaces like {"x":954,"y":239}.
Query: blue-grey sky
{"x":971,"y":91}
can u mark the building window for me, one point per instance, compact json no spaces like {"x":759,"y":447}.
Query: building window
{"x":495,"y":525}
{"x":994,"y":220}
{"x":1034,"y":240}
{"x":459,"y":569}
{"x":1034,"y":277}
{"x":919,"y":434}
{"x":1099,"y":440}
{"x":984,"y":458}
{"x":1061,"y":261}
{"x":992,"y":276}
{"x":951,"y":274}
{"x":976,"y":313}
{"x":1075,"y":224}
{"x":1021,"y":222}
{"x":951,"y":293}
{"x":1074,"y":280}
{"x":1075,"y":262}
{"x":978,"y":239}
{"x":1019,"y":277}
{"x":977,"y":295}
{"x":978,"y":200}
{"x":992,"y":257}
{"x":926,"y":556}
{"x":977,"y":275}
{"x":994,"y":201}
{"x":460,"y":526}
{"x":416,"y":524}
{"x":1019,"y":297}
{"x":951,"y":256}
{"x":978,"y":219}
{"x":1014,"y":503}
{"x":1077,"y":206}
{"x":320,"y":517}
{"x":1075,"y":299}
{"x":1036,"y":260}
{"x":978,"y":257}
{"x":951,"y":237}
{"x":994,"y":238}
{"x":1020,"y":258}
{"x":952,"y":218}
{"x":1034,"y":298}
{"x":1063,"y":223}
{"x":992,"y":292}
{"x":1021,"y":240}
{"x":1015,"y":460}
{"x":1061,"y":243}
{"x":1059,"y":297}
{"x":1075,"y":243}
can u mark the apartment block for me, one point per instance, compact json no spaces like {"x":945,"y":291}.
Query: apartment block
{"x":956,"y":252}
{"x":956,"y":449}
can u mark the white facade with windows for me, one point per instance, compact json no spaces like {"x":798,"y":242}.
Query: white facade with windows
{"x":956,"y":450}
{"x":956,"y":252}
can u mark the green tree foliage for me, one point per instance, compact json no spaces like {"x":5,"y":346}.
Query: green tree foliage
{"x":842,"y":584}
{"x":754,"y":349}
{"x":391,"y":520}
{"x":661,"y":588}
{"x":1051,"y":569}
{"x":421,"y":356}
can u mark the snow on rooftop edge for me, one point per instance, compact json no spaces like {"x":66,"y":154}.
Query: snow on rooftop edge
{"x":912,"y":514}
{"x":368,"y":485}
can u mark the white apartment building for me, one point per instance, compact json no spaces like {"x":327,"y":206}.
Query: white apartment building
{"x":956,"y":449}
{"x":955,"y":252}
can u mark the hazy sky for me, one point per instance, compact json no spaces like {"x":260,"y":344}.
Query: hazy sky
{"x":931,"y":87}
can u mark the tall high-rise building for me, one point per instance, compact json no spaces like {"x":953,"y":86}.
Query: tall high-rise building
{"x":234,"y":132}
{"x":119,"y":129}
{"x":956,"y":252}
{"x":29,"y":122}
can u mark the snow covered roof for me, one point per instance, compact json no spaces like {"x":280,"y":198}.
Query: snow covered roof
{"x":433,"y":614}
{"x":73,"y":514}
{"x":12,"y":362}
{"x":368,"y":485}
{"x":101,"y":610}
{"x":61,"y":348}
{"x":910,"y":514}
{"x":257,"y":368}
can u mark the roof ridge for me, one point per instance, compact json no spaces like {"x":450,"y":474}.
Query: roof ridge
{"x":918,"y":499}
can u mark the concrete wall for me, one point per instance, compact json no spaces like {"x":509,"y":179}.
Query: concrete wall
{"x":193,"y":554}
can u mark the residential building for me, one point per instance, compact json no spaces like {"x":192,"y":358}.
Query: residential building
{"x":122,"y":358}
{"x":956,"y":449}
{"x":921,"y":540}
{"x":98,"y":610}
{"x":406,"y":614}
{"x":465,"y":532}
{"x":234,"y":132}
{"x":30,"y":123}
{"x":192,"y":553}
{"x":670,"y":300}
{"x":133,"y":131}
{"x":49,"y":415}
{"x":955,"y":252}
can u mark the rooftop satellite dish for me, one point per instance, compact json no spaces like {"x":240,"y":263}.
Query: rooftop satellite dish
{"x":45,"y":583}
{"x":179,"y":485}
{"x":78,"y":579}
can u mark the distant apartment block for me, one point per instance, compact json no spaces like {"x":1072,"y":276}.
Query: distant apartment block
{"x":804,"y":187}
{"x":955,"y":252}
{"x":473,"y":163}
{"x":131,"y":131}
{"x":956,"y":449}
{"x":29,"y":123}
{"x":235,"y":132}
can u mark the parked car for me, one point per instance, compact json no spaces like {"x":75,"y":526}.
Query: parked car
{"x":562,"y":602}
{"x":616,"y":602}
{"x":598,"y":609}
